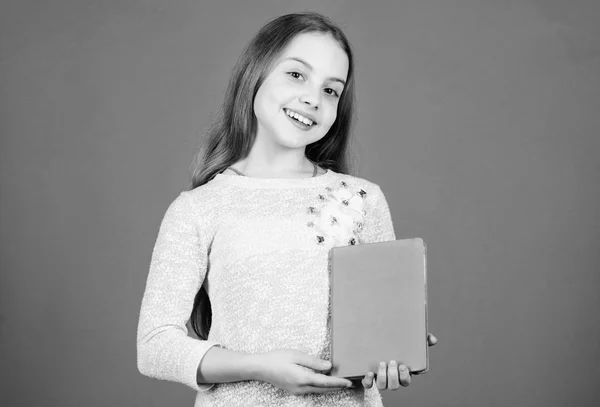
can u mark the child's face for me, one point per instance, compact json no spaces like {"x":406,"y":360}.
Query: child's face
{"x":307,"y":79}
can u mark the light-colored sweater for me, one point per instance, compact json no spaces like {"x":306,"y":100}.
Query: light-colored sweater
{"x":262,"y":249}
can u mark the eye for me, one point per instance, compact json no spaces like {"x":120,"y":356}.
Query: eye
{"x":295,"y":75}
{"x":332,"y":92}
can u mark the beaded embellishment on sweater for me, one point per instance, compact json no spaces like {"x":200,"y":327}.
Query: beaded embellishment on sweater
{"x":338,"y":215}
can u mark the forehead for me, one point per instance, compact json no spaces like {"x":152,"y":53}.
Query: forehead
{"x":321,"y":51}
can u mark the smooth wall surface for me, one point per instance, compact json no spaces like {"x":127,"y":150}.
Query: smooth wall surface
{"x":478,"y":118}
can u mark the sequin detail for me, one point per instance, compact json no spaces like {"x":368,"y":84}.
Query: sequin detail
{"x":338,"y":215}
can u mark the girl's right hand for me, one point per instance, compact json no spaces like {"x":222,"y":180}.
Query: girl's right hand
{"x":293,"y":371}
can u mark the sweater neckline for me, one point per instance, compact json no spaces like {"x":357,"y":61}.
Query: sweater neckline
{"x":253,"y":182}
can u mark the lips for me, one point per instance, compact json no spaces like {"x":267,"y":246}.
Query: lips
{"x":301,"y":117}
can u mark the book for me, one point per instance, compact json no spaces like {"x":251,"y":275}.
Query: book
{"x":378,"y":307}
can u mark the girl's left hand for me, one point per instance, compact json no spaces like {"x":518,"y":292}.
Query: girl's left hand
{"x":392,"y":376}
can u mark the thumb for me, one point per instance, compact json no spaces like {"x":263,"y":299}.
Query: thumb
{"x":311,"y":362}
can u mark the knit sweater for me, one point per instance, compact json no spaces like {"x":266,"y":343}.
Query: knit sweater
{"x":261,"y":247}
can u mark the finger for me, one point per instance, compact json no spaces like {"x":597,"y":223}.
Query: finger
{"x":382,"y":376}
{"x":311,"y":362}
{"x":392,"y":376}
{"x":367,"y":382}
{"x":405,"y":378}
{"x":431,"y":340}
{"x":321,"y":380}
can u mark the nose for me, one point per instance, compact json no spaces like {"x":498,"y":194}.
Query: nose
{"x":311,"y":99}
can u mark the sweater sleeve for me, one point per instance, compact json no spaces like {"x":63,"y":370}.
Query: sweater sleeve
{"x":177,"y":270}
{"x":378,"y":225}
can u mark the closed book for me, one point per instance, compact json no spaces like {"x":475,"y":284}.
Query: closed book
{"x":378,"y":307}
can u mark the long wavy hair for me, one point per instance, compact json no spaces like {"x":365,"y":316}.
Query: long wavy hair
{"x":233,"y":132}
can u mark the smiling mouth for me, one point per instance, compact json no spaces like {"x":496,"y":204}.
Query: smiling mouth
{"x":298,"y":118}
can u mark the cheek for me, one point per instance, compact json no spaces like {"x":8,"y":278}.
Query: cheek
{"x":331,"y":114}
{"x":258,"y":99}
{"x":264,"y":102}
{"x":280,"y":87}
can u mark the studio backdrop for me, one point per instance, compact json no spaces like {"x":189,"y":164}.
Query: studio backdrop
{"x":478,"y":118}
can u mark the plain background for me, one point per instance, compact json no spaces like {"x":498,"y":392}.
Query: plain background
{"x":478,"y":118}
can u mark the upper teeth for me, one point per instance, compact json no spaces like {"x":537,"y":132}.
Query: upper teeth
{"x":299,"y":117}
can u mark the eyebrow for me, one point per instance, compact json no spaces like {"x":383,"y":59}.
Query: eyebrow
{"x":309,"y":66}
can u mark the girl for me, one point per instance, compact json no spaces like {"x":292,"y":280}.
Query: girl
{"x":246,"y":250}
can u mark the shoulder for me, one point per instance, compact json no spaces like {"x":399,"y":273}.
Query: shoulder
{"x":200,"y":204}
{"x":208,"y":196}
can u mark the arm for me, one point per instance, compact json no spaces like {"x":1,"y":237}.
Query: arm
{"x":177,"y":270}
{"x":287,"y":369}
{"x":221,"y":365}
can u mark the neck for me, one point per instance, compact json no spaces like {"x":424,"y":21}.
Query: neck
{"x":275,"y":167}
